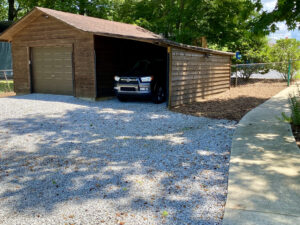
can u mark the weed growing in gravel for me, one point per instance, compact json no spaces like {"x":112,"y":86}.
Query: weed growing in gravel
{"x":164,"y":213}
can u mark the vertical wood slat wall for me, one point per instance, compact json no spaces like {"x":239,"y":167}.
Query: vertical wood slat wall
{"x":51,"y":32}
{"x":194,"y":76}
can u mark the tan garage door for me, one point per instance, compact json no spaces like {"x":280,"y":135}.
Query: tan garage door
{"x":52,"y":70}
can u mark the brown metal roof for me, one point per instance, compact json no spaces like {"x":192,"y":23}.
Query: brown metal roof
{"x":102,"y":27}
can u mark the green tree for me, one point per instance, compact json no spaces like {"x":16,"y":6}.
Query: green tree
{"x":96,"y":8}
{"x":285,"y":11}
{"x":3,"y":10}
{"x":227,"y":24}
{"x":256,"y":53}
{"x":283,"y":51}
{"x":9,"y":10}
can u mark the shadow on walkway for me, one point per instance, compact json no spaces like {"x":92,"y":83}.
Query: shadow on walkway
{"x":264,"y":175}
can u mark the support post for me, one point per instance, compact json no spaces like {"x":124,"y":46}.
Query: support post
{"x":170,"y":78}
{"x":5,"y":76}
{"x":236,"y":77}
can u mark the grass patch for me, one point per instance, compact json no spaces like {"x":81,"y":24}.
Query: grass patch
{"x":6,"y":88}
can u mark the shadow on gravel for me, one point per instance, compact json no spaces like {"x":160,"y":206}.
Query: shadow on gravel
{"x":112,"y":152}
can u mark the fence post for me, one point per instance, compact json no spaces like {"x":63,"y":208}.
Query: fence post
{"x":289,"y":73}
{"x":236,"y":76}
{"x":5,"y":76}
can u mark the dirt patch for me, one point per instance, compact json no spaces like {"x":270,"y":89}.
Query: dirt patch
{"x":234,"y":103}
{"x":7,"y":94}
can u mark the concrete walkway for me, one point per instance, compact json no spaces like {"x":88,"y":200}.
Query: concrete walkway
{"x":264,"y":175}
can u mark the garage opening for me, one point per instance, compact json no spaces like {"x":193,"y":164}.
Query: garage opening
{"x":52,"y":71}
{"x":115,"y":57}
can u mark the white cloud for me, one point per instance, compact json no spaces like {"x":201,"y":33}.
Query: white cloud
{"x":268,"y":5}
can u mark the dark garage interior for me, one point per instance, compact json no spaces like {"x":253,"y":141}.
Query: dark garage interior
{"x":116,"y":56}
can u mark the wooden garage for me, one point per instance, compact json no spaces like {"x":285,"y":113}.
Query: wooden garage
{"x":62,"y":53}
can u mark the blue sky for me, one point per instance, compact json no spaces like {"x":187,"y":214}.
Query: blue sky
{"x":283,"y":32}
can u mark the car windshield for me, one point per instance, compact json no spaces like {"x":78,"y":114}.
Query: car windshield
{"x":142,"y":67}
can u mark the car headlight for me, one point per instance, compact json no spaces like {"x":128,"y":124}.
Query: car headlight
{"x":117,"y":78}
{"x":146,"y":79}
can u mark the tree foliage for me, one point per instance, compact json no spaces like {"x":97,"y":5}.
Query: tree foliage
{"x":227,"y":24}
{"x":287,"y":11}
{"x":278,"y":57}
{"x":283,"y":51}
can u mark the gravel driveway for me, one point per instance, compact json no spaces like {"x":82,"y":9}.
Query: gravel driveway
{"x":68,"y":161}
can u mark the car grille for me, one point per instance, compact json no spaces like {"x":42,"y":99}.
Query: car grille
{"x":128,"y":81}
{"x":128,"y":89}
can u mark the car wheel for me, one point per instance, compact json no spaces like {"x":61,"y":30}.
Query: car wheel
{"x":121,"y":98}
{"x":159,"y":95}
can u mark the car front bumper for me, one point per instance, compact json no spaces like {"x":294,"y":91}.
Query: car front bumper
{"x":140,"y":89}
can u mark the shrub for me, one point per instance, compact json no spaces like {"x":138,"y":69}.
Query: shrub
{"x":283,"y":51}
{"x":294,"y":102}
{"x":295,"y":108}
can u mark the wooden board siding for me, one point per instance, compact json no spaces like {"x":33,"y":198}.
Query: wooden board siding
{"x":21,"y":69}
{"x":194,"y":76}
{"x":47,"y":32}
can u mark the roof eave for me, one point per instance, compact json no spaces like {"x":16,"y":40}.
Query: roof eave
{"x":134,"y":38}
{"x":196,"y":48}
{"x":8,"y":34}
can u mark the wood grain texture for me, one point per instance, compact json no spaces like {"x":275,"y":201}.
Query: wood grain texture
{"x":47,"y":32}
{"x":195,"y":76}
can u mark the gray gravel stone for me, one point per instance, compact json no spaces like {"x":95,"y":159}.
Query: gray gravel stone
{"x":68,"y":161}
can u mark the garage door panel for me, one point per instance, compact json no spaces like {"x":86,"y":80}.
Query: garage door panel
{"x":52,"y":70}
{"x":51,"y":87}
{"x":54,"y":79}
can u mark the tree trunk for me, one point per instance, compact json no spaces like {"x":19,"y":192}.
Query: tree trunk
{"x":82,"y":7}
{"x":11,"y":10}
{"x":181,"y":11}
